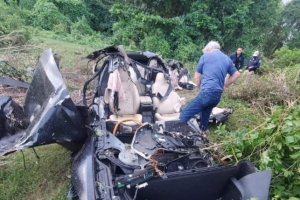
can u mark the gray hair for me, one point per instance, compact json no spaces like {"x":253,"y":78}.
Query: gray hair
{"x":212,"y":45}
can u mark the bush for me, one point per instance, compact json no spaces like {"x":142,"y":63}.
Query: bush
{"x":263,"y":91}
{"x":186,"y":52}
{"x":72,"y":9}
{"x":285,"y":57}
{"x":47,"y":15}
{"x":62,"y":29}
{"x":273,"y":145}
{"x":28,"y":4}
{"x":156,"y":43}
{"x":81,"y":27}
{"x":9,"y":19}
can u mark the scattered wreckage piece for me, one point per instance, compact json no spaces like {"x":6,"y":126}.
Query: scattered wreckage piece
{"x":180,"y":76}
{"x":7,"y":79}
{"x":12,"y":82}
{"x":123,"y":151}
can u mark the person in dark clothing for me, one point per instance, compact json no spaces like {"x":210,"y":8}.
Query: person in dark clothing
{"x":254,"y":62}
{"x":238,"y":58}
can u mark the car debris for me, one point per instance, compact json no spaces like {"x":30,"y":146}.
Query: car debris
{"x":6,"y":70}
{"x":129,"y":142}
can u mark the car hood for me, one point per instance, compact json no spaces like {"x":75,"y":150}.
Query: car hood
{"x":47,"y":116}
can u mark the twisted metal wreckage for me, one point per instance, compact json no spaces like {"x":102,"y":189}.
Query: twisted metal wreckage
{"x":130,"y":148}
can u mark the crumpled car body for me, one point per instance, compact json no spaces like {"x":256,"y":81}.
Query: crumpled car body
{"x":125,"y":148}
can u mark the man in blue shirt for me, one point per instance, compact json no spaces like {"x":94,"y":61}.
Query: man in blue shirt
{"x":212,"y":68}
{"x":238,"y":58}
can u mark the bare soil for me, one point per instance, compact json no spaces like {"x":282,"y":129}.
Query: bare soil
{"x":72,"y":78}
{"x":16,"y":93}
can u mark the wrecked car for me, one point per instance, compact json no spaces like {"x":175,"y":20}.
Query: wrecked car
{"x":128,"y":142}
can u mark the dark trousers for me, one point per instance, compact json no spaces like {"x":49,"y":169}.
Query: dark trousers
{"x":203,"y":103}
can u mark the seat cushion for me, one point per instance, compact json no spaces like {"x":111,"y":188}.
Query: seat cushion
{"x":129,"y":123}
{"x":167,"y":117}
{"x":171,"y":103}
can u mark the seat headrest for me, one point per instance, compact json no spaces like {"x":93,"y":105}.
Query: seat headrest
{"x":153,"y":63}
{"x":160,"y":78}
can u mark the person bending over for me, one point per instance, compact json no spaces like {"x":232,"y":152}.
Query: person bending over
{"x":210,"y":75}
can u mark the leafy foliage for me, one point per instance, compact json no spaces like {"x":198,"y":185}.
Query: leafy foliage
{"x":9,"y":19}
{"x":135,"y":27}
{"x":290,"y":17}
{"x":195,"y":23}
{"x":28,"y":4}
{"x":156,"y":43}
{"x":286,"y":57}
{"x":273,"y":145}
{"x":100,"y":17}
{"x":47,"y":15}
{"x":81,"y":27}
{"x":72,"y":9}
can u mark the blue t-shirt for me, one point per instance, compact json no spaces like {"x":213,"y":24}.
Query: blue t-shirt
{"x":213,"y":68}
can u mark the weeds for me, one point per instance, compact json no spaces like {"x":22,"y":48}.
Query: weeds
{"x":274,"y":144}
{"x":263,"y":92}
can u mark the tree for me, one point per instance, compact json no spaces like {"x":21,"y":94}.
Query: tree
{"x":232,"y":23}
{"x":7,"y":2}
{"x":290,"y":19}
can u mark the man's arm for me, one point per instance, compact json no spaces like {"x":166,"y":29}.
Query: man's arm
{"x":197,"y":78}
{"x":231,"y":79}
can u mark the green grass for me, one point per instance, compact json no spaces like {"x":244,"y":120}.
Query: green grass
{"x":243,"y":115}
{"x":71,"y":53}
{"x":43,"y":178}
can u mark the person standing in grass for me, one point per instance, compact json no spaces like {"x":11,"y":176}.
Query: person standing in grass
{"x":238,"y":58}
{"x":209,"y":77}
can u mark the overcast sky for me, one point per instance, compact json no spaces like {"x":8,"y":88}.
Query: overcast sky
{"x":285,"y":1}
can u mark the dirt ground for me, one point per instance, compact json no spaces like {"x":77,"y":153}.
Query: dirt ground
{"x":188,"y":94}
{"x":73,"y":79}
{"x":16,"y":93}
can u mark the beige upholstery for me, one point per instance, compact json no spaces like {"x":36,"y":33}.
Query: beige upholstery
{"x":167,"y":117}
{"x":128,"y":107}
{"x":165,"y":109}
{"x":146,"y":100}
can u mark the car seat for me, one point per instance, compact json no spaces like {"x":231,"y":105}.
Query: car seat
{"x":128,"y":107}
{"x":168,"y":107}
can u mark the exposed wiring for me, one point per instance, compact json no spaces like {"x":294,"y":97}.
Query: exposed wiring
{"x":155,"y":162}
